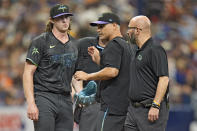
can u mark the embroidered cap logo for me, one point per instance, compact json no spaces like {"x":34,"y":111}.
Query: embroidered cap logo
{"x":62,"y":8}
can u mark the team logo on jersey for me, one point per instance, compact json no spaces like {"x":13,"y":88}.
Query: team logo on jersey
{"x":139,"y":57}
{"x":35,"y":51}
{"x":52,"y":46}
{"x":67,"y":59}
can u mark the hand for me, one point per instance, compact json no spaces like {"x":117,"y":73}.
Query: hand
{"x":32,"y":112}
{"x":80,"y":75}
{"x":153,"y":114}
{"x":94,"y":53}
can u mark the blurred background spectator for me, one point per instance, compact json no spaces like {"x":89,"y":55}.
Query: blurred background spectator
{"x":174,"y":26}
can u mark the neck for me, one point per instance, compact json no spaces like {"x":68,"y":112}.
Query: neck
{"x":142,"y":40}
{"x":102,"y":43}
{"x":115,"y":34}
{"x":61,"y":36}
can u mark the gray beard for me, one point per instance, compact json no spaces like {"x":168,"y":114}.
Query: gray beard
{"x":131,"y":39}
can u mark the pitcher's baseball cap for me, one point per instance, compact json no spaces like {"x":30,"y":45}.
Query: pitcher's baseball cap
{"x":106,"y":18}
{"x":59,"y":10}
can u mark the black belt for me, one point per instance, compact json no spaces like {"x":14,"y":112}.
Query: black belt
{"x":145,"y":103}
{"x":61,"y":93}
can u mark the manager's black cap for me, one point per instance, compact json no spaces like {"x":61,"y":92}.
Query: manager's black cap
{"x":59,"y":10}
{"x":106,"y":18}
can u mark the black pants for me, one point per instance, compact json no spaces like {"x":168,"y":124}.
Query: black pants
{"x":88,"y":117}
{"x":137,"y":119}
{"x":109,"y":122}
{"x":55,"y":112}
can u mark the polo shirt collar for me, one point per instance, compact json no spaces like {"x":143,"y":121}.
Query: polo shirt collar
{"x":148,"y":42}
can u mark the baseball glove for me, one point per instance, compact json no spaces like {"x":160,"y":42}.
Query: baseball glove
{"x":87,"y":95}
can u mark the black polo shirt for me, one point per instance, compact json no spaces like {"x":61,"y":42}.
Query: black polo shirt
{"x":114,"y":92}
{"x":149,"y":64}
{"x":55,"y":63}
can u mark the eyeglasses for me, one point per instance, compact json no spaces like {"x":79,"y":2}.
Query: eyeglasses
{"x":129,"y":28}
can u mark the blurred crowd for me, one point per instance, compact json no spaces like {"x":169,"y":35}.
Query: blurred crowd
{"x":174,"y":26}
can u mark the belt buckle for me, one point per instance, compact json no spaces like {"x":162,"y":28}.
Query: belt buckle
{"x":147,"y":105}
{"x":136,"y":104}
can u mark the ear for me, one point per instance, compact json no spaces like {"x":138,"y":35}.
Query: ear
{"x":115,"y":25}
{"x":51,"y":20}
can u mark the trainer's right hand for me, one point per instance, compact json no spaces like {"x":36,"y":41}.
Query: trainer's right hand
{"x":32,"y":112}
{"x":80,"y":75}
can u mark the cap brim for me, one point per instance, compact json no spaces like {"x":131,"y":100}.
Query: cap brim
{"x":98,"y":23}
{"x":69,"y":14}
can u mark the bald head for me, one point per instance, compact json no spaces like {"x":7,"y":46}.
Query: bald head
{"x":141,"y":22}
{"x":139,"y":30}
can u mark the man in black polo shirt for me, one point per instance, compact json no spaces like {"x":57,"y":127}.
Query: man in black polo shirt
{"x":114,"y":74}
{"x":89,"y":112}
{"x":48,"y":71}
{"x":148,"y":109}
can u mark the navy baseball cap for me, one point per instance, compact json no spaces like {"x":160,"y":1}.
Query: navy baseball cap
{"x":59,"y":10}
{"x":106,"y":18}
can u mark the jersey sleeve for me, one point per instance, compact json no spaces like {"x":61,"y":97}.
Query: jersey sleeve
{"x":159,"y":62}
{"x":34,"y":53}
{"x":111,"y":56}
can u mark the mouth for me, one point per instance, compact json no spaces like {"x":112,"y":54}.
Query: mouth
{"x":65,"y":25}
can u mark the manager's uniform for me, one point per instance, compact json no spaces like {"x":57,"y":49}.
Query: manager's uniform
{"x":114,"y":92}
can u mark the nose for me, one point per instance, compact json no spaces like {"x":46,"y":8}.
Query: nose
{"x":98,"y":30}
{"x":128,"y":32}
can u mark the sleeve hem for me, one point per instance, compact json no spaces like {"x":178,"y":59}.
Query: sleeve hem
{"x":112,"y":66}
{"x":31,"y":61}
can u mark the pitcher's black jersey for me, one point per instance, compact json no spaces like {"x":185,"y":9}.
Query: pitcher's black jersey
{"x":55,"y":63}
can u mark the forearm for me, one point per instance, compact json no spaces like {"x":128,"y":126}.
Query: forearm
{"x":28,"y":82}
{"x":161,"y":88}
{"x":104,"y":74}
{"x":77,"y":85}
{"x":97,"y":61}
{"x":28,"y":88}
